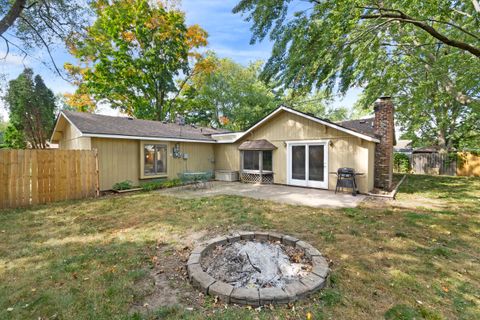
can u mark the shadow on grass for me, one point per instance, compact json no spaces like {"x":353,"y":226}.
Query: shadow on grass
{"x":84,"y":259}
{"x":458,"y":188}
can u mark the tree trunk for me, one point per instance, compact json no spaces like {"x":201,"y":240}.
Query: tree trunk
{"x":159,"y":104}
{"x":12,"y":15}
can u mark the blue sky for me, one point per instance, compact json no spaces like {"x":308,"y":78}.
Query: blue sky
{"x":229,"y":36}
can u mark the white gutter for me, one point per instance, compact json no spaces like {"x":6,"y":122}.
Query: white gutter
{"x":115,"y":136}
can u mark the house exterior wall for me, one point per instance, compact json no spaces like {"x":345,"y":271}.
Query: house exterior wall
{"x":201,"y":158}
{"x":227,"y":157}
{"x":121,"y":159}
{"x":71,"y":139}
{"x":345,"y":150}
{"x":118,"y":160}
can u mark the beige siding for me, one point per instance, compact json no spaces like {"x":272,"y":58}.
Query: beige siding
{"x":227,"y":157}
{"x":345,"y":150}
{"x":201,"y":158}
{"x":71,"y":139}
{"x":118,"y":160}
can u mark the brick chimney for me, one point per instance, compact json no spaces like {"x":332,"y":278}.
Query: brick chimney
{"x":385,"y":130}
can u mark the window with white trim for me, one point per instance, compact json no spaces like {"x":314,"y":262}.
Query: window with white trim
{"x":154,"y":159}
{"x":256,"y":160}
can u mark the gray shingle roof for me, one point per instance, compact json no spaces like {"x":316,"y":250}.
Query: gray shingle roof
{"x":364,"y":126}
{"x":89,"y":123}
{"x":257,"y":145}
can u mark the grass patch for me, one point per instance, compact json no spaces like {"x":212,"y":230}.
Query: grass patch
{"x":396,"y":260}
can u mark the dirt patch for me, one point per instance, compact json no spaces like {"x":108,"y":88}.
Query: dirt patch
{"x":168,"y":283}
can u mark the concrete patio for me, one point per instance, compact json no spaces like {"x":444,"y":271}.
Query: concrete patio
{"x":316,"y":198}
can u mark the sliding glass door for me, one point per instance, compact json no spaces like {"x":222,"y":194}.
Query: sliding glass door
{"x":308,"y":164}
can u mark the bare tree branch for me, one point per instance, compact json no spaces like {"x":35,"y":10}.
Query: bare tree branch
{"x":46,"y":47}
{"x":476,"y":5}
{"x":8,"y":47}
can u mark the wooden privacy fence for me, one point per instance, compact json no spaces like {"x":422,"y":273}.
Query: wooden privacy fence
{"x":469,"y":164}
{"x":459,"y":164}
{"x":40,"y":176}
{"x":434,"y":163}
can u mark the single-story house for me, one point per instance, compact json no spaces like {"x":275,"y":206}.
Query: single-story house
{"x":286,"y":147}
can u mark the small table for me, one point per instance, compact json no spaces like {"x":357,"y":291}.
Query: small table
{"x":198,"y":180}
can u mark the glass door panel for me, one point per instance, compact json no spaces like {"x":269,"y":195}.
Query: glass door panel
{"x":316,"y":160}
{"x":298,"y":162}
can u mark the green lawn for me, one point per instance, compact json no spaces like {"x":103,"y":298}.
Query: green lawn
{"x":415,"y":258}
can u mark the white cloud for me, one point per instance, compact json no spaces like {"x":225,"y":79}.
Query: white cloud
{"x":252,"y":54}
{"x":11,"y":59}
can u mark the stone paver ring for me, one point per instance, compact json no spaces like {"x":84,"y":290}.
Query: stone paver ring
{"x":299,"y":288}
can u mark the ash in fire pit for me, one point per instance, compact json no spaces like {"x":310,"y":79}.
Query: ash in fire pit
{"x":257,"y":268}
{"x":256,"y":264}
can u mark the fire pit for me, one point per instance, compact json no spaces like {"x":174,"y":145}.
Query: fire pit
{"x":257,"y":268}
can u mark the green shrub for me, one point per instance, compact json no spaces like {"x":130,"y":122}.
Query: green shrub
{"x":155,"y":185}
{"x":172,"y":183}
{"x":401,"y":163}
{"x":124,"y":185}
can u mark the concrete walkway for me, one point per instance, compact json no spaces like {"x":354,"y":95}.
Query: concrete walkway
{"x":284,"y":194}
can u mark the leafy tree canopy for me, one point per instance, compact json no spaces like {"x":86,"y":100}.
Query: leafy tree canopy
{"x":232,"y":96}
{"x":424,"y":54}
{"x":340,"y":43}
{"x":3,"y":127}
{"x":31,"y":107}
{"x":133,"y":56}
{"x":229,"y":95}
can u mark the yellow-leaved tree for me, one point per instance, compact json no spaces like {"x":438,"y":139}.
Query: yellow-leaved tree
{"x":136,"y":56}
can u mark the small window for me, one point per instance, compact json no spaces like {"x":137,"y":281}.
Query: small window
{"x":251,"y":160}
{"x":257,"y":160}
{"x":267,"y":160}
{"x":154,"y":159}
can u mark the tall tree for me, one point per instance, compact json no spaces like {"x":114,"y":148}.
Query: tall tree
{"x":26,"y":25}
{"x":3,"y":127}
{"x":436,"y":91}
{"x":324,"y":43}
{"x":133,"y":55}
{"x":229,"y":95}
{"x":31,"y":108}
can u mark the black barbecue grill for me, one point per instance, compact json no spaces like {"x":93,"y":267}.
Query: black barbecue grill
{"x":346,"y":179}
